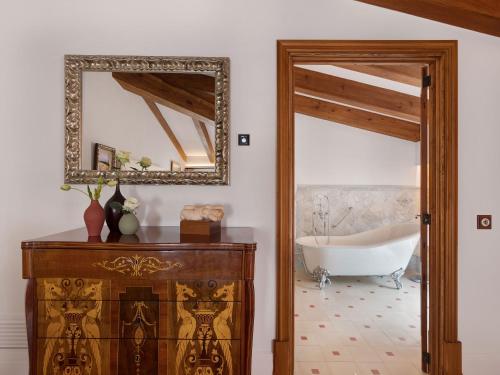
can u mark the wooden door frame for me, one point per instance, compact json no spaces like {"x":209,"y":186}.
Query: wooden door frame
{"x":445,"y":349}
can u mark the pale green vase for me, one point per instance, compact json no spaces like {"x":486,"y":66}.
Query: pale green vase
{"x":128,"y":224}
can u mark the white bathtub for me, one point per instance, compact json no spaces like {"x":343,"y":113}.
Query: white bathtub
{"x":382,"y":251}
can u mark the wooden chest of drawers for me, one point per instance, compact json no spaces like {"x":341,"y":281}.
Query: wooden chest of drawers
{"x":145,"y":304}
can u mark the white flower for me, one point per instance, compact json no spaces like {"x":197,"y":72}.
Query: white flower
{"x":130,"y":204}
{"x":145,"y":162}
{"x":123,"y":154}
{"x":123,"y":157}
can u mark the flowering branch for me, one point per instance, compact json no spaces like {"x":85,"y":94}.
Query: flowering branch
{"x":93,"y":195}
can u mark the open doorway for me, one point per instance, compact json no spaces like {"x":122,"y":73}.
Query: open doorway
{"x":380,"y":98}
{"x":360,"y":306}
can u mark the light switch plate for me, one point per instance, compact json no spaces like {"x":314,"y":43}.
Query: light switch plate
{"x":243,"y":139}
{"x":483,"y":221}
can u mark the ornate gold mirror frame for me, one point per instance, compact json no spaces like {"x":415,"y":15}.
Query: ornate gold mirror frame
{"x":75,"y":65}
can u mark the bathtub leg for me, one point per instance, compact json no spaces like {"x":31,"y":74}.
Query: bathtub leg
{"x":396,"y":277}
{"x":321,"y":276}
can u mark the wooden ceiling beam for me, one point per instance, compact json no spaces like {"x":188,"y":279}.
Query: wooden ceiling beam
{"x":157,"y":90}
{"x":202,"y":130}
{"x":357,"y":118}
{"x":410,"y":74}
{"x":477,"y":15}
{"x":357,"y":94}
{"x":164,"y":124}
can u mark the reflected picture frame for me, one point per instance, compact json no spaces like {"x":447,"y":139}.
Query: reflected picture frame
{"x":104,"y":158}
{"x":75,"y":65}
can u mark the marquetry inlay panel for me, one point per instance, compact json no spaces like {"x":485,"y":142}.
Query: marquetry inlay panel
{"x":73,"y":319}
{"x":205,"y":290}
{"x":137,"y":266}
{"x":211,"y":360}
{"x":139,"y":324}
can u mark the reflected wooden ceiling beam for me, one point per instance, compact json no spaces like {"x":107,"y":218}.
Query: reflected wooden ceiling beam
{"x":357,"y":118}
{"x":198,"y":83}
{"x":164,"y":124}
{"x":357,"y":94}
{"x":478,"y":15}
{"x":409,"y":74}
{"x":157,"y":90}
{"x":202,"y":130}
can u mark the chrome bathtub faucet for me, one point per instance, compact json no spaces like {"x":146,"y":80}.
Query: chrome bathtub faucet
{"x":321,"y":215}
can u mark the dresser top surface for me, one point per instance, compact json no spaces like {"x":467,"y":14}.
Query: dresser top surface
{"x":152,"y":237}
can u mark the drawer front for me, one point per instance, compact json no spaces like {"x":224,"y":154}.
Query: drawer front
{"x":138,"y":357}
{"x":87,"y":319}
{"x":205,"y":306}
{"x":101,"y":357}
{"x":145,"y":265}
{"x":77,"y":308}
{"x":76,"y":288}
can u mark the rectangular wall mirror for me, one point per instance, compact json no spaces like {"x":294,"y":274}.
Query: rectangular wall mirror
{"x":147,"y":120}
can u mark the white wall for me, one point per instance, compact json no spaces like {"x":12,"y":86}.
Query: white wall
{"x":327,"y":153}
{"x":35,"y":35}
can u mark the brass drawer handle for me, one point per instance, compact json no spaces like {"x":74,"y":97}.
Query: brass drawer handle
{"x":137,"y":265}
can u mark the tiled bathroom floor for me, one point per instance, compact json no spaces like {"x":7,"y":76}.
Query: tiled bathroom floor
{"x":357,"y":326}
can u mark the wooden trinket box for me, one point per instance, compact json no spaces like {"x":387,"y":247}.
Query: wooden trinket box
{"x":204,"y":228}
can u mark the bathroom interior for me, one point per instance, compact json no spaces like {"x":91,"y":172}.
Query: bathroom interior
{"x":360,"y":273}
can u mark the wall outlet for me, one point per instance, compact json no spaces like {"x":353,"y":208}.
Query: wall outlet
{"x":483,"y":221}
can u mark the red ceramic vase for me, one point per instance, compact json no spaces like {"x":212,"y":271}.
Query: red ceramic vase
{"x":94,"y":218}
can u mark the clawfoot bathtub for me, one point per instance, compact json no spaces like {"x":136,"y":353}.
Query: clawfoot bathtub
{"x":382,"y":251}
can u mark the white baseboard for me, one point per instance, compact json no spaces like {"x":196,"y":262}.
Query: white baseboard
{"x":13,"y":332}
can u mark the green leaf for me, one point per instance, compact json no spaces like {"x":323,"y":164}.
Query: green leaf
{"x":89,"y":192}
{"x":98,"y":191}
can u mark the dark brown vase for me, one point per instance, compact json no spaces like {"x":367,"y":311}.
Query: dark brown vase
{"x":114,"y":214}
{"x":94,"y":218}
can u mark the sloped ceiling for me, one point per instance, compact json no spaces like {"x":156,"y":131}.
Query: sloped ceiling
{"x":477,"y":15}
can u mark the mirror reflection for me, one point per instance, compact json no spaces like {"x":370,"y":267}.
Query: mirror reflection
{"x":148,"y":121}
